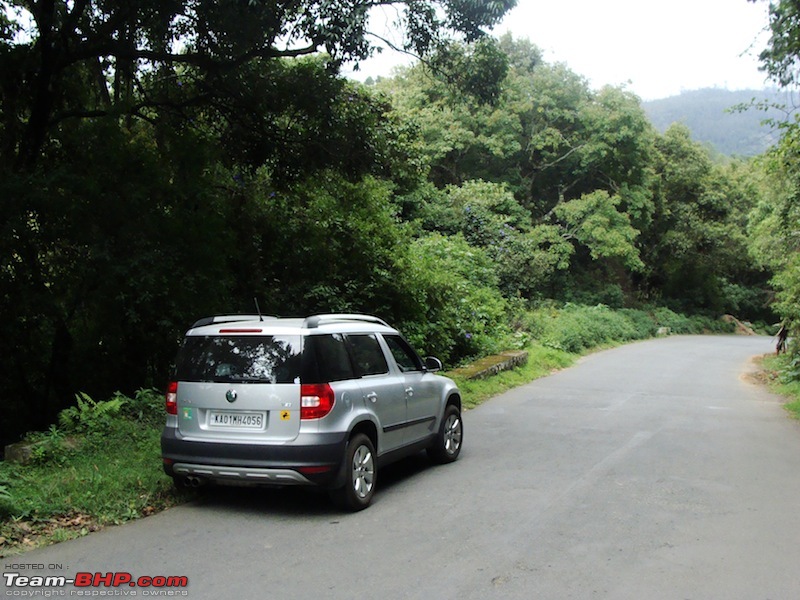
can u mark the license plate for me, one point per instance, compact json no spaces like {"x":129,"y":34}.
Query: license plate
{"x":238,"y":420}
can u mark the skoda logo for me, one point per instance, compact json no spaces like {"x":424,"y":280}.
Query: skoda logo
{"x":231,"y":395}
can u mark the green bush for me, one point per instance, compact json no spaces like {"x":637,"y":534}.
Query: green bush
{"x":50,"y":447}
{"x":7,"y":506}
{"x":102,"y":461}
{"x":791,"y":367}
{"x":88,"y":416}
{"x":576,"y":328}
{"x":454,"y":308}
{"x":146,"y":407}
{"x":677,"y":323}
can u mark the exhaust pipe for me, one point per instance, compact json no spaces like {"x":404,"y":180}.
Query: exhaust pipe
{"x":193,"y":481}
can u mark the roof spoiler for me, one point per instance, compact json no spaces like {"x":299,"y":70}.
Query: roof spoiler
{"x":229,"y":319}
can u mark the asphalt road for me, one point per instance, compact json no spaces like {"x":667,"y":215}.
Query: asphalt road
{"x":650,"y":471}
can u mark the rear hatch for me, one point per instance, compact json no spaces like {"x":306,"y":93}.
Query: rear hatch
{"x":239,"y":387}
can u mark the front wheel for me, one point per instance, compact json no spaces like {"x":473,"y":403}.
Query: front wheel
{"x":361,"y":474}
{"x":447,"y":446}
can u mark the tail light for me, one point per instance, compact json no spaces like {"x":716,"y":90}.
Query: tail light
{"x":171,"y":398}
{"x":316,"y":400}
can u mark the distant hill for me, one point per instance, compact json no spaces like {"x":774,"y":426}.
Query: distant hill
{"x":706,"y":113}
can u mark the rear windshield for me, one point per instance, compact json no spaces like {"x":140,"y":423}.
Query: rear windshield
{"x":240,"y":359}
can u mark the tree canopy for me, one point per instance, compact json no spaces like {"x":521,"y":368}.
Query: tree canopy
{"x":65,"y":60}
{"x":775,"y":221}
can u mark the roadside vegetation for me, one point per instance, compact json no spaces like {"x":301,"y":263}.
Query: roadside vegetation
{"x":782,"y":375}
{"x":100,"y":465}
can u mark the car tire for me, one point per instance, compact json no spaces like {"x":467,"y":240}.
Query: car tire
{"x":361,"y":474}
{"x":447,"y":445}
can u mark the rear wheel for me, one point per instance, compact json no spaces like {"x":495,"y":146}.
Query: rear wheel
{"x":360,"y":475}
{"x":447,"y":446}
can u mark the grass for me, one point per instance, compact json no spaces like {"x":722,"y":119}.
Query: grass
{"x":781,"y":378}
{"x":84,"y":475}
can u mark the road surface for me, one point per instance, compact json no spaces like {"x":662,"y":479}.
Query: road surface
{"x":649,"y":471}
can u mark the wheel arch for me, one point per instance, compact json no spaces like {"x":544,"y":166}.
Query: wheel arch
{"x":368,"y":428}
{"x":455,"y":399}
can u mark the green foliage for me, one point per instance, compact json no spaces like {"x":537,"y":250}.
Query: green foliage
{"x":791,"y":370}
{"x":575,"y":165}
{"x":460,"y":139}
{"x":90,"y":423}
{"x":103,"y":462}
{"x":89,"y":416}
{"x":774,"y":222}
{"x":457,"y":310}
{"x":147,"y":58}
{"x":773,"y":226}
{"x":783,"y":373}
{"x":680,"y":323}
{"x":349,"y":227}
{"x":595,"y":221}
{"x":131,"y":234}
{"x":476,"y":70}
{"x":7,"y":504}
{"x":490,"y":218}
{"x":527,"y":261}
{"x":50,"y":447}
{"x":576,"y":328}
{"x":696,"y":248}
{"x":145,"y":407}
{"x":779,"y":58}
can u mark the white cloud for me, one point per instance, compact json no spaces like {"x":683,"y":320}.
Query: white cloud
{"x":661,"y":48}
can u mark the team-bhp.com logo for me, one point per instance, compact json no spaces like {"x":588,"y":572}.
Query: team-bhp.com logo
{"x":158,"y":585}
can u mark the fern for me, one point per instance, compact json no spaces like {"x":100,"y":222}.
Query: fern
{"x":88,"y":415}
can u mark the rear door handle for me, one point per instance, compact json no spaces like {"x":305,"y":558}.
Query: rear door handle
{"x":372,"y":397}
{"x":409,"y":391}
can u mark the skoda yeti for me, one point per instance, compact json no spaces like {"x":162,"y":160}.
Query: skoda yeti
{"x":323,"y":401}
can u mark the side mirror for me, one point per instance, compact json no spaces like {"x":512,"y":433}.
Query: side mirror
{"x":433,"y":364}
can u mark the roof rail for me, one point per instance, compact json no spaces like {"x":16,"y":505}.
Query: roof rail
{"x":316,"y":320}
{"x":230,"y":319}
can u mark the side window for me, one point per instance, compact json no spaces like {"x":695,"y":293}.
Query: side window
{"x":403,"y":355}
{"x":368,"y":355}
{"x":327,"y":359}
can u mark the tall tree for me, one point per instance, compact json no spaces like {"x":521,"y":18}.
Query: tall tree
{"x":577,"y":162}
{"x":776,"y":221}
{"x":696,"y":248}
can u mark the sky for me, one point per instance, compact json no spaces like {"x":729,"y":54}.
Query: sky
{"x":653,"y":48}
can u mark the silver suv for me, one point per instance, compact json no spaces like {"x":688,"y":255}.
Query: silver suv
{"x":322,"y":401}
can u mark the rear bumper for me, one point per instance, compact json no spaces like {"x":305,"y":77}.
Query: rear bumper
{"x":310,"y":459}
